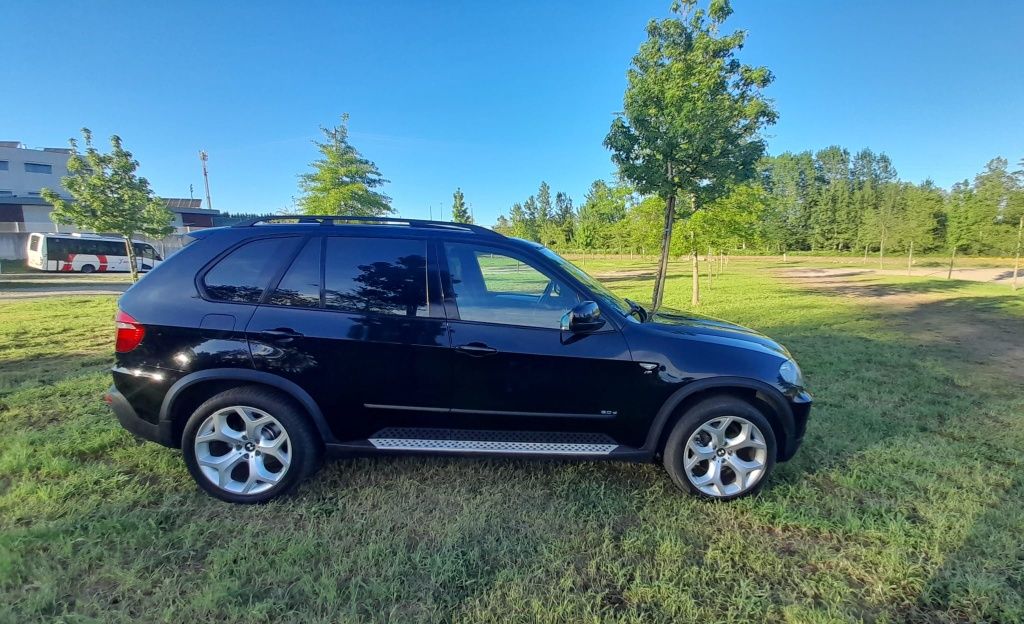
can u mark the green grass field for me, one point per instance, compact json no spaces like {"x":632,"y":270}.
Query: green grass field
{"x":906,"y":502}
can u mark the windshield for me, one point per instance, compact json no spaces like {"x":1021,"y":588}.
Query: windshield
{"x":599,"y":289}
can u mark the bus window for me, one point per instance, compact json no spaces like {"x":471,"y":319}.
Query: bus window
{"x":33,"y":244}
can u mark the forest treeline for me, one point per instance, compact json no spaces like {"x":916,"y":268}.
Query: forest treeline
{"x":827,"y":201}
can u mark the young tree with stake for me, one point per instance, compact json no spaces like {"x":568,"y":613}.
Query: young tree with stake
{"x":692,"y":116}
{"x":108,"y":196}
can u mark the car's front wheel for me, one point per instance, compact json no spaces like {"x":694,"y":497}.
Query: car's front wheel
{"x":722,"y":448}
{"x":249,"y":445}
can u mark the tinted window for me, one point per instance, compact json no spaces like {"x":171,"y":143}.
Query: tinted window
{"x":38,"y":168}
{"x":493,"y":287}
{"x":34,"y":243}
{"x":300,"y":286}
{"x":4,"y":165}
{"x":380,"y":275}
{"x":56,"y":248}
{"x":243,"y":274}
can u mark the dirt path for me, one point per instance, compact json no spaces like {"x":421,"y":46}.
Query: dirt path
{"x":933,"y":313}
{"x":995,"y":276}
{"x":38,"y":284}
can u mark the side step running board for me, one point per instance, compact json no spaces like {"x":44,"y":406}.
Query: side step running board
{"x":497,"y":442}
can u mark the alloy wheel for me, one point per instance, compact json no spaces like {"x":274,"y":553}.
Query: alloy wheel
{"x":725,"y":456}
{"x":243,"y":450}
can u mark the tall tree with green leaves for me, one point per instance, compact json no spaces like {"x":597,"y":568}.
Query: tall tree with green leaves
{"x":519,"y":221}
{"x":108,"y":196}
{"x":692,"y":117}
{"x":342,"y":180}
{"x":460,"y":212}
{"x":565,"y":215}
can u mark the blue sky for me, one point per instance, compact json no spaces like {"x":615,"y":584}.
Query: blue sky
{"x":492,"y":97}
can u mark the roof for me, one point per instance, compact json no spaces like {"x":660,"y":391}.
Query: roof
{"x":173,"y":203}
{"x":349,"y":220}
{"x":19,"y":200}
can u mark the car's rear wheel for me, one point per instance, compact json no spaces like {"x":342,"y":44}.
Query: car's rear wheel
{"x":249,"y":445}
{"x":722,"y":448}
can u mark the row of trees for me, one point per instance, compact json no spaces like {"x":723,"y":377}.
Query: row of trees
{"x":827,"y":202}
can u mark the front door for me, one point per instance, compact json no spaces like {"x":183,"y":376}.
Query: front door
{"x":512,"y":366}
{"x":362,"y":331}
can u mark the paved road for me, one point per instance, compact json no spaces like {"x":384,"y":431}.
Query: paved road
{"x":28,"y":285}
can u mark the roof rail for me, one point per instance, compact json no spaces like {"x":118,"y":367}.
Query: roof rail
{"x":343,"y":219}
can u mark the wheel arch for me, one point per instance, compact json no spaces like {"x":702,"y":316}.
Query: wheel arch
{"x":193,"y":389}
{"x":763,"y":396}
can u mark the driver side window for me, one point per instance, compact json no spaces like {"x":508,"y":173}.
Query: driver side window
{"x":491,"y":286}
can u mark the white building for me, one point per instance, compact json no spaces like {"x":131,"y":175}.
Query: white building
{"x":25,"y":172}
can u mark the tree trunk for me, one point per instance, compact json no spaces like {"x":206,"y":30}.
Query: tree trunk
{"x":951,"y":259}
{"x":910,"y":257}
{"x":711,"y":268}
{"x":132,"y":264}
{"x":695,"y":272}
{"x":865,"y":254}
{"x":666,"y":241}
{"x":881,"y":251}
{"x":1016,"y":262}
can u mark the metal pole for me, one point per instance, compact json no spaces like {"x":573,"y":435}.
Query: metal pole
{"x":1016,"y":263}
{"x":206,"y":178}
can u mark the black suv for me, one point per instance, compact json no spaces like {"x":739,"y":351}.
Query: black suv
{"x":260,"y":347}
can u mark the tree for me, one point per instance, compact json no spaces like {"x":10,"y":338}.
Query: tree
{"x":565,"y":215}
{"x":519,"y":223}
{"x":460,"y":213}
{"x":108,"y":196}
{"x":342,"y":182}
{"x":692,"y":116}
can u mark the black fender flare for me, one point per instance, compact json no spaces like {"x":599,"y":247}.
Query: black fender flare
{"x":771,"y":395}
{"x":246,"y":375}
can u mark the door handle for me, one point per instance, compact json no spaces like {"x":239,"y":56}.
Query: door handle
{"x":282,"y":335}
{"x":476,"y":349}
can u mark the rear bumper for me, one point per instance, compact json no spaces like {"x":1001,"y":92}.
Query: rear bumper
{"x":134,"y":423}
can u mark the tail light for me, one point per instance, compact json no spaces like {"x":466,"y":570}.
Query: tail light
{"x":129,"y":332}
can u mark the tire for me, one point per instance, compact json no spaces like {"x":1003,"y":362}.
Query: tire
{"x":87,"y":268}
{"x":274,"y":445}
{"x":712,"y":453}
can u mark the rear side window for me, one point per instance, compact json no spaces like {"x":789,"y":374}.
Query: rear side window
{"x":34,"y":243}
{"x":300,"y":286}
{"x":243,"y":274}
{"x":378,"y":275}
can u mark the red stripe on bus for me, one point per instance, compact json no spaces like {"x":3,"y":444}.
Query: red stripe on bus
{"x":67,"y":263}
{"x":103,"y":263}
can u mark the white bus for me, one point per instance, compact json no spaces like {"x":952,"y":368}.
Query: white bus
{"x":86,"y":253}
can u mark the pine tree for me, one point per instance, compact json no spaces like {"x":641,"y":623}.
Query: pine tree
{"x":460,"y":212}
{"x":342,"y":181}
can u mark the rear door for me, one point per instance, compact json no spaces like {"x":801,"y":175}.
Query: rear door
{"x":358,"y":322}
{"x":512,"y":366}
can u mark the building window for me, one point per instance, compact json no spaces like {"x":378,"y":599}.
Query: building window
{"x":4,"y":165}
{"x":33,"y":193}
{"x":4,"y":193}
{"x":38,"y":168}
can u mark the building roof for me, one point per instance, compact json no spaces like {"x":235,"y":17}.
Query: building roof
{"x":174,"y":204}
{"x":22,"y":200}
{"x":190,"y":206}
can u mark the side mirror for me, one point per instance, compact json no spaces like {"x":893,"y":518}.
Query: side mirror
{"x":583,"y":319}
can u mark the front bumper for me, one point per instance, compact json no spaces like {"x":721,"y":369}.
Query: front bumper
{"x":134,"y":423}
{"x":800,"y":406}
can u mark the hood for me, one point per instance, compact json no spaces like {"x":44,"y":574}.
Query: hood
{"x":701,"y":327}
